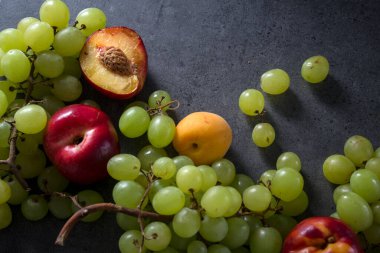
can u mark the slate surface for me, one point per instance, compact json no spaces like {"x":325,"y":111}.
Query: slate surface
{"x":205,"y":53}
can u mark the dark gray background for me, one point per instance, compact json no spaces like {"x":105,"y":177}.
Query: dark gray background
{"x":205,"y":53}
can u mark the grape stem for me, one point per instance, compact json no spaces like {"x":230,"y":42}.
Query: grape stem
{"x":110,"y":207}
{"x":159,"y":108}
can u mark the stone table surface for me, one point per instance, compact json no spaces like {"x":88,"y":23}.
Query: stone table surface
{"x":205,"y":53}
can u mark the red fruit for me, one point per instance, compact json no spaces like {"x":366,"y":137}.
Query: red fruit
{"x":321,"y":234}
{"x":79,"y":140}
{"x":114,"y":61}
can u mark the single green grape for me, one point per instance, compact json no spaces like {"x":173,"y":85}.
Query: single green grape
{"x":238,"y":233}
{"x":196,"y":246}
{"x":366,"y":184}
{"x":337,"y":169}
{"x":164,"y":168}
{"x":178,"y":243}
{"x":69,"y":41}
{"x":51,"y":104}
{"x":18,"y":193}
{"x":289,"y":159}
{"x":216,"y":201}
{"x":158,"y":234}
{"x":168,"y":201}
{"x":295,"y":207}
{"x":5,"y":132}
{"x":67,"y":88}
{"x":34,"y":208}
{"x":218,"y":248}
{"x":5,"y":192}
{"x":161,"y":131}
{"x":225,"y":171}
{"x":267,"y":177}
{"x":91,"y":20}
{"x":242,"y":182}
{"x":30,"y":119}
{"x":159,"y":98}
{"x":375,"y":207}
{"x":130,"y":242}
{"x":265,"y":239}
{"x":263,"y":135}
{"x":5,"y":215}
{"x":9,"y":89}
{"x":251,"y":102}
{"x":12,"y":38}
{"x":86,"y":198}
{"x":50,"y":180}
{"x":55,"y":12}
{"x":340,"y":190}
{"x":186,"y":222}
{"x":148,"y":155}
{"x":372,"y":234}
{"x":27,"y":144}
{"x":257,"y":198}
{"x":124,"y":167}
{"x":15,"y":66}
{"x":283,"y":223}
{"x":358,"y":149}
{"x":24,"y":23}
{"x":60,"y":207}
{"x":134,"y":122}
{"x":275,"y":81}
{"x":49,"y":64}
{"x":235,"y":202}
{"x":213,"y":229}
{"x":287,"y":184}
{"x":209,"y":177}
{"x":189,"y":179}
{"x":315,"y":69}
{"x":158,"y":185}
{"x":90,"y":102}
{"x":127,"y":222}
{"x":128,"y":193}
{"x":373,"y":165}
{"x":39,"y":36}
{"x":3,"y":104}
{"x":72,"y":67}
{"x":253,"y":222}
{"x":31,"y":165}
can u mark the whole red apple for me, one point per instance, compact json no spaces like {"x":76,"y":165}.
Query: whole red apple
{"x":79,"y":140}
{"x":321,"y":234}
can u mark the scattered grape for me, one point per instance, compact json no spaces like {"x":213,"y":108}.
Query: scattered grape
{"x":315,"y":69}
{"x":275,"y":81}
{"x":263,"y":135}
{"x":34,"y":208}
{"x":251,"y":102}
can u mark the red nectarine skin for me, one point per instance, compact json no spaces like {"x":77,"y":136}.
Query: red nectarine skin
{"x":79,"y":140}
{"x":322,"y":235}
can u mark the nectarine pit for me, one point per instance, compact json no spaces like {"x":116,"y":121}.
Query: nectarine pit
{"x":115,"y":60}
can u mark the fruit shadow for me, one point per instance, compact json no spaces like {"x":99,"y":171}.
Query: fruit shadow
{"x":330,"y":92}
{"x":287,"y":104}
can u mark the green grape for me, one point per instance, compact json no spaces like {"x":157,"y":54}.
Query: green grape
{"x":60,"y":207}
{"x":251,"y":102}
{"x":283,"y":223}
{"x":128,"y":194}
{"x":30,"y":119}
{"x":253,"y":222}
{"x":67,"y":88}
{"x":315,"y":69}
{"x":40,"y":90}
{"x":373,"y":165}
{"x":182,"y":160}
{"x":377,"y":152}
{"x":366,"y":184}
{"x":340,"y":190}
{"x":9,"y":90}
{"x":34,"y":208}
{"x":69,"y":41}
{"x":5,"y":192}
{"x":1,"y":56}
{"x":242,"y":182}
{"x":27,"y":144}
{"x":275,"y":81}
{"x":372,"y":234}
{"x":289,"y":159}
{"x":5,"y":131}
{"x":213,"y":229}
{"x":15,"y":66}
{"x":124,"y":167}
{"x":50,"y":180}
{"x":168,"y":200}
{"x":354,"y":211}
{"x":130,"y":242}
{"x":295,"y":207}
{"x":90,"y":102}
{"x":358,"y":149}
{"x":158,"y":236}
{"x":159,"y":98}
{"x":265,"y":239}
{"x":337,"y":169}
{"x":19,"y":194}
{"x":287,"y":184}
{"x":164,"y":168}
{"x":91,"y":19}
{"x":3,"y":103}
{"x":267,"y":177}
{"x":55,"y":13}
{"x":31,"y":165}
{"x":24,"y":23}
{"x":158,"y":185}
{"x":196,"y":246}
{"x":263,"y":135}
{"x":161,"y":131}
{"x":186,"y":222}
{"x":12,"y":38}
{"x":375,"y":207}
{"x":218,"y":248}
{"x":225,"y":171}
{"x":257,"y":198}
{"x":138,"y":103}
{"x":189,"y":179}
{"x":51,"y":104}
{"x":134,"y":122}
{"x":5,"y":216}
{"x":216,"y":201}
{"x":209,"y":177}
{"x":72,"y":67}
{"x":49,"y":64}
{"x":168,"y":250}
{"x":240,"y":250}
{"x":39,"y":36}
{"x":148,"y":155}
{"x":238,"y":233}
{"x":179,"y":243}
{"x":127,"y":222}
{"x":86,"y":198}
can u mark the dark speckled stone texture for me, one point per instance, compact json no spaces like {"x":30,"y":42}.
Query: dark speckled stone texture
{"x":205,"y":53}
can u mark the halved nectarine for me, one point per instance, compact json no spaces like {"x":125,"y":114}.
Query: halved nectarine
{"x":114,"y":61}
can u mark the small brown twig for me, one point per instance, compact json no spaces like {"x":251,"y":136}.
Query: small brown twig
{"x":159,"y":108}
{"x":110,"y":207}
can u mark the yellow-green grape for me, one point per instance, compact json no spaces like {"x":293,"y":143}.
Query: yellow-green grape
{"x":340,"y":190}
{"x":34,"y":208}
{"x":257,"y":198}
{"x":251,"y":102}
{"x":11,"y":38}
{"x":263,"y":135}
{"x":19,"y":194}
{"x":287,"y":184}
{"x":130,"y":242}
{"x":1,"y":56}
{"x":216,"y":201}
{"x":159,"y":235}
{"x":295,"y":207}
{"x":9,"y":89}
{"x":124,"y":167}
{"x":289,"y":159}
{"x":134,"y":122}
{"x":238,"y":233}
{"x":5,"y":192}
{"x":91,"y":20}
{"x":24,"y":23}
{"x":5,"y":215}
{"x":30,"y":119}
{"x":49,"y":64}
{"x":275,"y":81}
{"x":213,"y":229}
{"x":189,"y":179}
{"x":15,"y":66}
{"x":235,"y":202}
{"x":315,"y":69}
{"x":5,"y":131}
{"x":55,"y":13}
{"x":186,"y":222}
{"x":67,"y":88}
{"x":366,"y":184}
{"x":60,"y":207}
{"x":39,"y":36}
{"x":265,"y":239}
{"x":168,"y":201}
{"x":373,"y":165}
{"x":266,"y":177}
{"x":164,"y":168}
{"x":358,"y":149}
{"x":69,"y":41}
{"x":337,"y":169}
{"x":209,"y":177}
{"x":3,"y":103}
{"x":86,"y":198}
{"x":72,"y":67}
